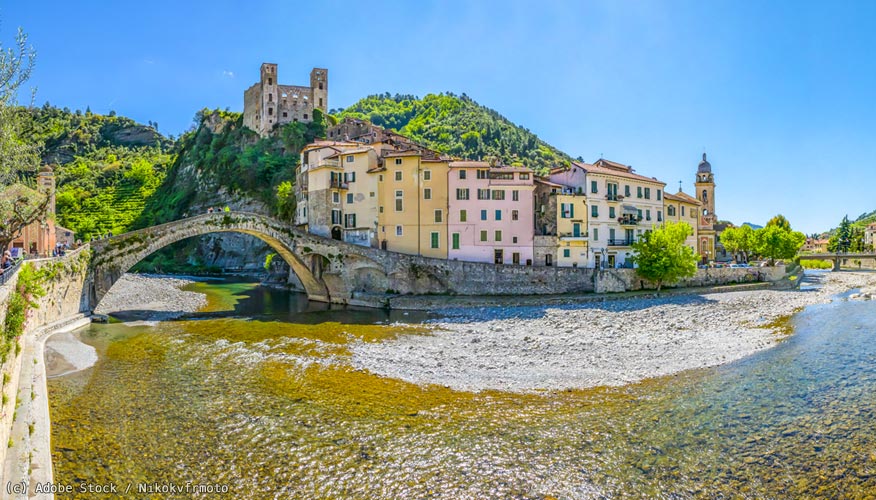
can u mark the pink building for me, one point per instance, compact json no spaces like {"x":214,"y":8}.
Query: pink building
{"x":490,"y":216}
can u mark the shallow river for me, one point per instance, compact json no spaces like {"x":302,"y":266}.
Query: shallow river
{"x":261,"y":398}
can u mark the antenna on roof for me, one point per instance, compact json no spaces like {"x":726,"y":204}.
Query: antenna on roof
{"x":679,"y":186}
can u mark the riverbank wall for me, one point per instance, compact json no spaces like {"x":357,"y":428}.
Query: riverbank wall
{"x":23,"y":372}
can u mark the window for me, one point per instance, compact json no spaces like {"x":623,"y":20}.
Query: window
{"x":336,"y":197}
{"x":482,"y":174}
{"x":398,"y":161}
{"x":305,"y":116}
{"x":462,"y":174}
{"x":380,"y":209}
{"x":611,"y":234}
{"x":320,"y":99}
{"x":647,"y":193}
{"x":483,"y":215}
{"x":639,"y":214}
{"x":567,"y":210}
{"x":505,"y":176}
{"x":548,"y":260}
{"x":660,"y":216}
{"x":270,"y":81}
{"x":638,"y":191}
{"x":596,"y":233}
{"x":350,"y":177}
{"x":659,"y":194}
{"x":498,"y":194}
{"x":350,"y":220}
{"x":371,"y":194}
{"x":682,"y":210}
{"x":349,"y":197}
{"x":439,"y":215}
{"x":498,"y":235}
{"x":434,"y":239}
{"x":514,"y":240}
{"x":349,"y":158}
{"x":285,"y":114}
{"x":427,"y":175}
{"x":483,"y":194}
{"x":461,"y":193}
{"x":399,"y":201}
{"x":515,"y":215}
{"x":455,"y":238}
{"x":594,"y":211}
{"x":463,"y":216}
{"x":594,"y":187}
{"x":380,"y":178}
{"x":398,"y":175}
{"x":483,"y":236}
{"x":627,"y":191}
{"x":524,"y":177}
{"x":427,"y":194}
{"x":648,"y":214}
{"x":498,"y":215}
{"x":670,"y":211}
{"x":270,"y":111}
{"x":398,"y":230}
{"x":515,"y":195}
{"x":336,"y":216}
{"x":567,"y":253}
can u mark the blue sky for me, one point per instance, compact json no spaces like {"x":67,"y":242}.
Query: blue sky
{"x":779,"y":94}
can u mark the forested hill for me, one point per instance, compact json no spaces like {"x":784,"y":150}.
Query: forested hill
{"x":107,"y":166}
{"x":457,"y":125}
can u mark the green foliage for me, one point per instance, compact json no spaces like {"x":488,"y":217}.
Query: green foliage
{"x":815,"y":264}
{"x":29,"y":287}
{"x":781,"y":221}
{"x":285,"y":200}
{"x":776,"y":242}
{"x":458,"y":126}
{"x":738,"y":240}
{"x":841,"y":241}
{"x":108,"y":166}
{"x":661,"y":255}
{"x":268,"y":259}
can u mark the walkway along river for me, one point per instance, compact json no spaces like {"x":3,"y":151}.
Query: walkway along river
{"x":265,"y":399}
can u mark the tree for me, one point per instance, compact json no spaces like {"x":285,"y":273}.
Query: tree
{"x":19,"y":159}
{"x":738,"y":240}
{"x":285,"y":200}
{"x":781,"y":221}
{"x":775,"y":242}
{"x":842,"y":240}
{"x":661,"y":255}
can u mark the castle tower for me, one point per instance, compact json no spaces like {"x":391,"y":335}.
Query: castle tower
{"x":269,"y":97}
{"x":705,"y":186}
{"x":319,"y":88}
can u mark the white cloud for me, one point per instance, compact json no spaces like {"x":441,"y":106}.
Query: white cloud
{"x":227,"y":73}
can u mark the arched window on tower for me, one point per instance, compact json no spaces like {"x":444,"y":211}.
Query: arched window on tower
{"x":705,"y":196}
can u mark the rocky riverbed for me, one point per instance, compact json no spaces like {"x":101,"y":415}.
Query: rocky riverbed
{"x":155,"y":298}
{"x":525,"y":349}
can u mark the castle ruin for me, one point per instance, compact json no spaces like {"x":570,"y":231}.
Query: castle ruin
{"x":267,"y":103}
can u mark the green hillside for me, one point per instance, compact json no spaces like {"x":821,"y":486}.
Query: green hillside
{"x":106,"y":166}
{"x":457,"y":125}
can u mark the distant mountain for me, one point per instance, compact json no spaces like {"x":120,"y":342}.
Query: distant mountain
{"x":752,"y":226}
{"x":457,"y":125}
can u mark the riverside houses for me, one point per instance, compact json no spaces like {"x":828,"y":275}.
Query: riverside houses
{"x":320,"y":189}
{"x":560,"y":225}
{"x":490,"y":213}
{"x":621,"y":204}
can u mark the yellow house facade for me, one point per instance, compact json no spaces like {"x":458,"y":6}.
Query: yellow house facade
{"x":681,"y":207}
{"x":572,"y":233}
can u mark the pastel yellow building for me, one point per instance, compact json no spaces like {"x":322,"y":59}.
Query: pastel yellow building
{"x":561,"y":235}
{"x":681,"y":207}
{"x":412,"y":203}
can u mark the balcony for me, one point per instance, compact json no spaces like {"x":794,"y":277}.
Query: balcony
{"x":629,"y":220}
{"x":623,"y":242}
{"x":571,"y":236}
{"x":337,"y":183}
{"x":614,"y":197}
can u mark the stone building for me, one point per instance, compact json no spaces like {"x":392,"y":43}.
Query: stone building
{"x":41,"y":237}
{"x":560,"y":225}
{"x":870,"y":236}
{"x":267,"y":103}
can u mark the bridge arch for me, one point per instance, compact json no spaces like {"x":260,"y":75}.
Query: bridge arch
{"x":115,"y":256}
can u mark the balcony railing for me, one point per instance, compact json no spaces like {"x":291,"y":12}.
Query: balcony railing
{"x":629,"y":221}
{"x":623,"y":242}
{"x":337,"y":183}
{"x":7,"y":273}
{"x":614,"y":197}
{"x":572,"y":236}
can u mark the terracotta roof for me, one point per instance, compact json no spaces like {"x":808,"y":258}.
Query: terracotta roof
{"x":546,"y":182}
{"x":469,"y":163}
{"x":616,"y":169}
{"x":683,"y":197}
{"x":872,"y":226}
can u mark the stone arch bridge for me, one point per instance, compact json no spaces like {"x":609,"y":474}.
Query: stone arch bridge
{"x":839,"y":259}
{"x":332,"y":270}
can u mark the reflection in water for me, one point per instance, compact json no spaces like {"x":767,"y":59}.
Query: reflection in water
{"x":266,"y":402}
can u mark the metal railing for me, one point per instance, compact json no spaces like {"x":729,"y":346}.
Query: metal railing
{"x":628,"y":221}
{"x":573,"y":235}
{"x":614,"y":197}
{"x":622,"y":242}
{"x":10,"y":272}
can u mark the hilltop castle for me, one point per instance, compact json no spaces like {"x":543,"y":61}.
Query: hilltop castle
{"x":267,"y":103}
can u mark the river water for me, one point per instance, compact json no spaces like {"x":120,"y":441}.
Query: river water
{"x":257,"y":393}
